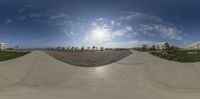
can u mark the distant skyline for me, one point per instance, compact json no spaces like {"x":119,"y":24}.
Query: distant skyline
{"x":108,"y":23}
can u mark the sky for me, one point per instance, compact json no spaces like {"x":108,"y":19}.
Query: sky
{"x":108,"y":23}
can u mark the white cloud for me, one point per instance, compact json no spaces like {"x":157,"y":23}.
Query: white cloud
{"x":123,"y":31}
{"x":163,"y":31}
{"x":126,"y":27}
{"x":152,"y":26}
{"x":129,"y":28}
{"x":58,"y":16}
{"x":112,"y":22}
{"x":130,"y":16}
{"x":127,"y":44}
{"x":110,"y":30}
{"x":21,"y":18}
{"x":100,"y":19}
{"x":25,"y":8}
{"x":21,"y":10}
{"x":8,"y":20}
{"x":34,"y":15}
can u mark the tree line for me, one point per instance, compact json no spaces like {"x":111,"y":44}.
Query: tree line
{"x":74,"y":48}
{"x":83,"y":48}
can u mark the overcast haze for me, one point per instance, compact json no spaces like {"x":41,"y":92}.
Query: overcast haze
{"x":109,"y":23}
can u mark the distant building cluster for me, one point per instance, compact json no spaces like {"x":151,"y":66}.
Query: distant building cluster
{"x":157,"y":46}
{"x":3,"y":46}
{"x":162,"y":46}
{"x":194,"y":46}
{"x":166,"y":46}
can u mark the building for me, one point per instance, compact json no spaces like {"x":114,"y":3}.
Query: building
{"x":162,"y":46}
{"x":194,"y":46}
{"x":3,"y":46}
{"x":144,"y":46}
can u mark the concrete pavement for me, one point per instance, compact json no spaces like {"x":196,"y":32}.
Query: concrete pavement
{"x":138,"y":76}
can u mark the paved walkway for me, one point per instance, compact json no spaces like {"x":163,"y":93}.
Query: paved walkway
{"x":139,"y":76}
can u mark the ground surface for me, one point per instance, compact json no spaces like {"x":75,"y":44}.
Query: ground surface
{"x":7,"y":55}
{"x":179,"y":55}
{"x":89,"y":59}
{"x":138,"y":76}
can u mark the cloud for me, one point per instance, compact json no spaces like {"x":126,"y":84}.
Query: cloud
{"x":123,"y":31}
{"x":21,"y":10}
{"x":127,"y":44}
{"x":100,"y":19}
{"x":8,"y":20}
{"x":132,"y":25}
{"x":152,"y":26}
{"x":163,"y":31}
{"x":73,"y":29}
{"x":26,"y":7}
{"x":21,"y":18}
{"x":57,"y":16}
{"x":112,"y":22}
{"x":110,"y":30}
{"x":130,"y":16}
{"x":34,"y":15}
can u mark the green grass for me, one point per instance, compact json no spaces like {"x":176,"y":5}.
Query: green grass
{"x":7,"y":55}
{"x":178,"y":55}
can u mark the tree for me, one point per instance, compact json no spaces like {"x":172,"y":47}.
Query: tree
{"x":173,"y":48}
{"x":144,"y":47}
{"x":72,"y":48}
{"x":88,"y":48}
{"x":17,"y":47}
{"x":82,"y":49}
{"x":75,"y":48}
{"x":153,"y":47}
{"x":93,"y":48}
{"x":101,"y":48}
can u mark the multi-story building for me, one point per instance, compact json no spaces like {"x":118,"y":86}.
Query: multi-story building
{"x":3,"y":46}
{"x":194,"y":46}
{"x":162,"y":46}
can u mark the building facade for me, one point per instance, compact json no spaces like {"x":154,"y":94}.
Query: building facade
{"x":3,"y":46}
{"x":162,"y":46}
{"x":194,"y":46}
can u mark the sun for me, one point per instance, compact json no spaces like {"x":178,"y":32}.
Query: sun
{"x":99,"y":34}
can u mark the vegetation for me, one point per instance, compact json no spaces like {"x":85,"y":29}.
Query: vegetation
{"x":178,"y":55}
{"x":7,"y":55}
{"x":84,"y":49}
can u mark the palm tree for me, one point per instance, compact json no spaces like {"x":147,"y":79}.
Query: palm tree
{"x":88,"y":48}
{"x":72,"y":48}
{"x":82,"y":49}
{"x":101,"y":48}
{"x":17,"y":47}
{"x":93,"y":48}
{"x":75,"y":48}
{"x":67,"y":48}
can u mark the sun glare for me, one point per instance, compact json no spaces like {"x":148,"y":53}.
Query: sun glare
{"x":99,"y":34}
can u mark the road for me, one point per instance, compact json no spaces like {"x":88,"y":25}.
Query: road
{"x":138,"y":76}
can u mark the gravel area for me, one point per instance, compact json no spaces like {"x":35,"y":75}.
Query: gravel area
{"x":89,"y":59}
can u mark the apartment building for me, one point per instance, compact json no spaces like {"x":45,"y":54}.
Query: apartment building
{"x":3,"y":46}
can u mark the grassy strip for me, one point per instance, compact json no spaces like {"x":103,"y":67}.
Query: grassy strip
{"x":7,"y":55}
{"x":178,"y":55}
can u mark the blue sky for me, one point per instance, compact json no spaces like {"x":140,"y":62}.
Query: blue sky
{"x":109,"y":23}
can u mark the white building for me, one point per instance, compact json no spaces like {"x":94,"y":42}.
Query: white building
{"x":162,"y":46}
{"x":3,"y":46}
{"x":194,"y":46}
